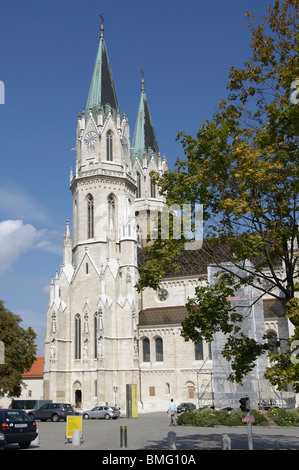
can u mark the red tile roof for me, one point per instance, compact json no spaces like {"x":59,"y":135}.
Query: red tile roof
{"x":37,"y":369}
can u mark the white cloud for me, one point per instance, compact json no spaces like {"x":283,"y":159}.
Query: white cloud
{"x":17,"y":238}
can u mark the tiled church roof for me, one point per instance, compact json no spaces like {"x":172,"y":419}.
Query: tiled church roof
{"x":175,"y":315}
{"x":162,"y":316}
{"x":194,"y":262}
{"x":274,"y":308}
{"x":190,"y":262}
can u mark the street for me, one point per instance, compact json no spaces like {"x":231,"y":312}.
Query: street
{"x":149,"y":432}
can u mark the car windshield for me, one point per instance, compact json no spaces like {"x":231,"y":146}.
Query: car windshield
{"x":16,"y":415}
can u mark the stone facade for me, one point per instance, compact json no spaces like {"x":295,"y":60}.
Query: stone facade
{"x":101,"y":334}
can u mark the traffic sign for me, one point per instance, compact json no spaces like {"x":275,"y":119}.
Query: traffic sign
{"x":248,"y":419}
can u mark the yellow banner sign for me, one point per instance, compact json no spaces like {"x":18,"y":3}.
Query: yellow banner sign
{"x":73,"y":423}
{"x":134,"y":402}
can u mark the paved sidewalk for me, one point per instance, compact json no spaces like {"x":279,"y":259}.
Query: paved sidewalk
{"x":150,"y":430}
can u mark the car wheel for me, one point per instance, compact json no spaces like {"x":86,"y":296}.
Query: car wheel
{"x":107,"y":416}
{"x":86,"y":416}
{"x":55,"y":418}
{"x":24,"y":445}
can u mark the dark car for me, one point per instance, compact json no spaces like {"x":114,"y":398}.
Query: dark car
{"x":185,"y":407}
{"x":17,"y":427}
{"x":53,"y":411}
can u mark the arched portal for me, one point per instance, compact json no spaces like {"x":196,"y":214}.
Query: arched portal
{"x":77,"y":394}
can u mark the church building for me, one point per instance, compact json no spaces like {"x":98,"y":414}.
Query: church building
{"x":101,"y":335}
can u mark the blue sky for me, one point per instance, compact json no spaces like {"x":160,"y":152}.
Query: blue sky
{"x":47,"y":54}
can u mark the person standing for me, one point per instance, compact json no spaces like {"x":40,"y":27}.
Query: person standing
{"x":172,"y":413}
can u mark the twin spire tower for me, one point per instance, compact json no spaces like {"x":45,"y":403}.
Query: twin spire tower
{"x":92,"y":338}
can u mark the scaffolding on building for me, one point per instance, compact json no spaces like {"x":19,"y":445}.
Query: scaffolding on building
{"x":247,"y":302}
{"x":205,"y":395}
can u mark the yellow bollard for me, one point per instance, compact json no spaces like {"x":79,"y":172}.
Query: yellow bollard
{"x":123,"y":436}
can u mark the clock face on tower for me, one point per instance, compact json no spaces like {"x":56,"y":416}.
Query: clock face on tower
{"x":91,"y":138}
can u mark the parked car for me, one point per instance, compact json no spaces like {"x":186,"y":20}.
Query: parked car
{"x":27,"y":405}
{"x":17,"y":427}
{"x":185,"y":407}
{"x":53,"y":411}
{"x":2,"y":441}
{"x":105,"y":412}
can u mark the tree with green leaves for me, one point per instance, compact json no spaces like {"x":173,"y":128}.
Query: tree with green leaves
{"x":19,"y":352}
{"x":243,"y":167}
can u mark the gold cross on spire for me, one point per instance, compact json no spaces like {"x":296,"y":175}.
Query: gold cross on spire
{"x":102,"y":26}
{"x":142,"y":80}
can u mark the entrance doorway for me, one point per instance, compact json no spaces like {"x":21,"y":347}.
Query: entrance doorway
{"x":78,"y":398}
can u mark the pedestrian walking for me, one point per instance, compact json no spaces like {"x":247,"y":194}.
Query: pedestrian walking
{"x":172,"y":413}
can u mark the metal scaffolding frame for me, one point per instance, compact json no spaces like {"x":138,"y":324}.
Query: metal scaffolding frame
{"x":248,"y":303}
{"x":205,"y":398}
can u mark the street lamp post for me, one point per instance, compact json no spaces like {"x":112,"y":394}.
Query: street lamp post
{"x":115,"y":392}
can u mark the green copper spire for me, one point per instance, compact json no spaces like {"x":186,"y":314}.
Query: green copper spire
{"x":144,"y":138}
{"x":102,"y":90}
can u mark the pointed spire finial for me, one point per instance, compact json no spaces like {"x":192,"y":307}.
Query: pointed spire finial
{"x":102,"y":26}
{"x":67,"y":231}
{"x":102,"y":90}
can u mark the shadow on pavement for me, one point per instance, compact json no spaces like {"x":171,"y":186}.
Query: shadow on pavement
{"x":238,"y":442}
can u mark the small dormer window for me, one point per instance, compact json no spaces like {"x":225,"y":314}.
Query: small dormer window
{"x":109,"y":145}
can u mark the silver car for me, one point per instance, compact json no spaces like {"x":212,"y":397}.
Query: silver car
{"x":105,"y":412}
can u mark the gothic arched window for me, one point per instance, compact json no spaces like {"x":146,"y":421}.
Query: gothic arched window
{"x":139,"y":236}
{"x":210,"y":350}
{"x":272,"y":340}
{"x":198,"y":349}
{"x":109,"y":145}
{"x":77,"y":336}
{"x":90,"y":216}
{"x":159,"y":349}
{"x":138,"y":184}
{"x":111,"y":215}
{"x":146,"y":350}
{"x":95,"y":325}
{"x":152,"y":187}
